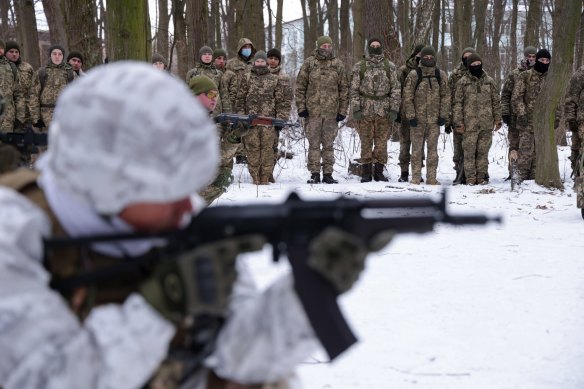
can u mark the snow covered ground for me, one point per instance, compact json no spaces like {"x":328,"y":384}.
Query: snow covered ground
{"x":500,"y":306}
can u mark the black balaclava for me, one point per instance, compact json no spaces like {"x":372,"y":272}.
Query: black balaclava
{"x":542,"y":67}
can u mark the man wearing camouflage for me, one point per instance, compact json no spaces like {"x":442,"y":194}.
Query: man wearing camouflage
{"x":476,"y":111}
{"x":525,"y":93}
{"x":456,"y":75}
{"x":206,"y":67}
{"x":375,"y":100}
{"x":264,"y":94}
{"x":25,"y":77}
{"x":219,"y":58}
{"x":574,"y":110}
{"x":14,"y":101}
{"x":426,"y":107}
{"x":75,"y":59}
{"x":509,"y":116}
{"x":322,"y":99}
{"x":48,"y":83}
{"x":405,"y":141}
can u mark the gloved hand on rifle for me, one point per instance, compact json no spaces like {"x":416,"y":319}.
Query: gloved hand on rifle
{"x":236,"y":132}
{"x":340,"y":256}
{"x":198,"y":282}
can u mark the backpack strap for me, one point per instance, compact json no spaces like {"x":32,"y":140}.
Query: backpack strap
{"x":362,"y":69}
{"x":437,"y":75}
{"x":43,"y":77}
{"x":14,"y":69}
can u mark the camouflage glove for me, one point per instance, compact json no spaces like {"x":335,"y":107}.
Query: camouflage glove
{"x":392,"y":116}
{"x":358,"y":115}
{"x":340,"y":256}
{"x":303,"y":114}
{"x":414,"y":122}
{"x":507,"y":119}
{"x":198,"y":282}
{"x":522,"y":120}
{"x":573,"y":124}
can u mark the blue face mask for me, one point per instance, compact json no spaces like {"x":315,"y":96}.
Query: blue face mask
{"x":246,"y":52}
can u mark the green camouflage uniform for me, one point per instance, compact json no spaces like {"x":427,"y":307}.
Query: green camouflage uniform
{"x":429,"y":102}
{"x":507,"y":107}
{"x":525,"y":93}
{"x":264,"y":94}
{"x":375,"y":95}
{"x":43,"y":102}
{"x":25,"y":79}
{"x":405,"y":141}
{"x":15,"y":105}
{"x":322,"y":89}
{"x":285,"y":79}
{"x":574,"y":110}
{"x":216,"y":75}
{"x":476,"y":106}
{"x":455,"y":76}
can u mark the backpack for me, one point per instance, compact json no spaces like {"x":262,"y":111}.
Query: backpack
{"x":386,"y":65}
{"x":420,"y":77}
{"x":43,"y":76}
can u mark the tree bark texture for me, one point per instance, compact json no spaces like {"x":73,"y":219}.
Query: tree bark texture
{"x":27,"y":33}
{"x":162,"y":34}
{"x":128,"y":30}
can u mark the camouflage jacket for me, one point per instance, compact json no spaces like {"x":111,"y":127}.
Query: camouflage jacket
{"x":56,"y":80}
{"x":459,"y":72}
{"x":263,"y":93}
{"x":217,"y":76}
{"x":574,"y":105}
{"x":25,"y":78}
{"x":285,"y":80}
{"x":322,"y":87}
{"x":431,"y":100}
{"x":507,"y":91}
{"x":526,"y":91}
{"x":377,"y":92}
{"x":235,"y":71}
{"x":403,"y":71}
{"x":476,"y":103}
{"x":15,"y":105}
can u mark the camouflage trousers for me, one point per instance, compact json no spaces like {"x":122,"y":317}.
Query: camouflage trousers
{"x":458,"y":149}
{"x":428,"y":134}
{"x":526,"y":161}
{"x":513,"y":138}
{"x":405,"y":143}
{"x":476,"y":146}
{"x":259,"y":147}
{"x":576,"y":145}
{"x":276,"y":148}
{"x":47,"y":116}
{"x":373,"y":133}
{"x":8,"y":119}
{"x":321,"y":132}
{"x":223,"y":178}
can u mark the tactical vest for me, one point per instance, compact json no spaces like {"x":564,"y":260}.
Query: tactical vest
{"x":66,"y":262}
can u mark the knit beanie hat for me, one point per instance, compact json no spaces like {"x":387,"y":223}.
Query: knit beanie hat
{"x":201,"y":84}
{"x":543,"y":53}
{"x":205,"y":50}
{"x":260,"y":55}
{"x":275,"y":53}
{"x":75,"y":54}
{"x":56,"y":47}
{"x":529,"y":50}
{"x":374,"y":39}
{"x":12,"y":45}
{"x":323,"y":39}
{"x":468,"y":50}
{"x":473,"y":58}
{"x":428,"y":50}
{"x":219,"y":52}
{"x":159,"y":58}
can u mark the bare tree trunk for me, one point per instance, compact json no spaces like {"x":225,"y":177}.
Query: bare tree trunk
{"x":128,"y":30}
{"x":533,"y":24}
{"x":308,"y":47}
{"x":162,"y":35}
{"x":196,"y":19}
{"x":80,"y":18}
{"x":445,"y":54}
{"x":565,"y":22}
{"x":27,"y":32}
{"x":379,"y":23}
{"x":358,"y":29}
{"x":313,"y":22}
{"x":216,"y":17}
{"x":279,"y":18}
{"x":480,"y":13}
{"x":498,"y":8}
{"x":55,"y":21}
{"x":436,"y":25}
{"x":580,"y":46}
{"x":513,"y":30}
{"x":346,"y":43}
{"x":403,"y":20}
{"x":4,"y":5}
{"x":333,"y":21}
{"x":423,"y":24}
{"x":270,"y":26}
{"x":180,"y":29}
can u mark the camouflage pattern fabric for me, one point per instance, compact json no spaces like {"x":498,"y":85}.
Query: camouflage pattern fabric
{"x":525,"y":93}
{"x":265,"y":94}
{"x":25,"y":79}
{"x":476,"y":106}
{"x":56,"y":81}
{"x":429,"y":102}
{"x":455,"y":76}
{"x":507,"y":109}
{"x":217,"y":76}
{"x":322,"y":87}
{"x":320,"y":131}
{"x":405,"y":142}
{"x":15,"y":105}
{"x":285,"y":78}
{"x":574,"y":110}
{"x":375,"y":94}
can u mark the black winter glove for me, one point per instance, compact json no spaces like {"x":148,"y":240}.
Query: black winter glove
{"x":398,"y":118}
{"x":507,"y":119}
{"x":340,"y":117}
{"x":278,"y":128}
{"x":573,"y":126}
{"x":441,"y":121}
{"x":414,"y":122}
{"x":522,"y":120}
{"x":303,"y":114}
{"x":39,"y":124}
{"x":448,"y":129}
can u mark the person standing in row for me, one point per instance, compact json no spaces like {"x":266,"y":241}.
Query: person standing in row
{"x":322,"y":99}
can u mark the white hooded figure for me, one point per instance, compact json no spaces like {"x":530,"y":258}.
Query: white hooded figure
{"x":125,"y":136}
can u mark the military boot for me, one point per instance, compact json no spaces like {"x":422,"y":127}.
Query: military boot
{"x":378,"y":174}
{"x":404,"y":177}
{"x":327,"y":178}
{"x":366,"y":173}
{"x":314,"y":179}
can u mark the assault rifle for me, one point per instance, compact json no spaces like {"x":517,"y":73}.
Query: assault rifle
{"x":290,"y":227}
{"x":26,"y":142}
{"x":515,"y":174}
{"x":253,"y":120}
